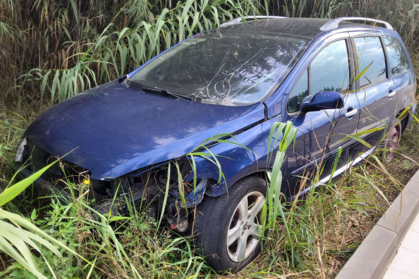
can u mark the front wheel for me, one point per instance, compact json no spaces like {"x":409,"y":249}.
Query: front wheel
{"x":227,"y":227}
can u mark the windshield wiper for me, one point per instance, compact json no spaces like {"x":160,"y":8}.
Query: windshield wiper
{"x":166,"y":92}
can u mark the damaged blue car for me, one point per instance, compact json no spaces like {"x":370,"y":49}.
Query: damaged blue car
{"x":332,"y":79}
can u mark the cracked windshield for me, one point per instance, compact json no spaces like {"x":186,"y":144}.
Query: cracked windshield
{"x":229,"y":66}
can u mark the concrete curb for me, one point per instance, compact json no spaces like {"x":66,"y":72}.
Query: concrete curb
{"x":377,"y":251}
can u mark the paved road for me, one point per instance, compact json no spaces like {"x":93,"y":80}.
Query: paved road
{"x":406,"y":263}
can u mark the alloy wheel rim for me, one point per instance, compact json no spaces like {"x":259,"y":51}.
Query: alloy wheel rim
{"x":392,"y":142}
{"x":243,"y":233}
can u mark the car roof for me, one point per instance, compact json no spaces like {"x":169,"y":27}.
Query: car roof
{"x":308,"y":28}
{"x":301,"y":27}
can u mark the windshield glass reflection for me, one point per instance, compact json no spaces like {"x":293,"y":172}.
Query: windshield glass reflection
{"x":235,"y":65}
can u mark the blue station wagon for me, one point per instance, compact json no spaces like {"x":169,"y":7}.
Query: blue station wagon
{"x":333,"y":79}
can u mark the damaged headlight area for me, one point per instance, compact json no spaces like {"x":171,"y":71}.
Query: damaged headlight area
{"x":154,"y":190}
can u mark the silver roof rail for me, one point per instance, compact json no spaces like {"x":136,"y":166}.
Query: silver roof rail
{"x":239,"y":19}
{"x":334,"y":23}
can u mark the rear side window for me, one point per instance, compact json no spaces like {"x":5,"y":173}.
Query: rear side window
{"x":397,"y":58}
{"x":370,"y":57}
{"x":297,"y":95}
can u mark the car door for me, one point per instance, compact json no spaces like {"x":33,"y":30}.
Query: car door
{"x":399,"y":68}
{"x":375,"y":90}
{"x":321,"y":133}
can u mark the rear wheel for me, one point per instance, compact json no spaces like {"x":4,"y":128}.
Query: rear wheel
{"x":226,"y":227}
{"x":392,"y":142}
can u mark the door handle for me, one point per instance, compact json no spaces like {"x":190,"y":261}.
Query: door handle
{"x":391,"y":93}
{"x":351,"y":112}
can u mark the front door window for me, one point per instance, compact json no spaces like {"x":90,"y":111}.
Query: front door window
{"x":330,"y":69}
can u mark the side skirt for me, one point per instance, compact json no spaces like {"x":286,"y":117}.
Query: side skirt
{"x":338,"y":172}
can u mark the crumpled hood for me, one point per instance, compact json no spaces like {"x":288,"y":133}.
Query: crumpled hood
{"x":115,"y":130}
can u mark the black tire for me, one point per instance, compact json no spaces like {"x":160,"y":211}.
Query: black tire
{"x":214,"y":217}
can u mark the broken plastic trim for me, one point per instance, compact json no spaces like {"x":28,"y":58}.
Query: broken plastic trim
{"x":195,"y":197}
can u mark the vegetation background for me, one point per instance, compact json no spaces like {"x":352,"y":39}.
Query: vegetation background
{"x":52,"y":49}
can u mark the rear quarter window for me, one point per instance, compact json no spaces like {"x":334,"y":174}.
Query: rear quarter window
{"x":397,"y":58}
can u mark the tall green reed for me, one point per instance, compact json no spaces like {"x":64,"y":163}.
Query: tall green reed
{"x":18,"y":236}
{"x":90,"y":52}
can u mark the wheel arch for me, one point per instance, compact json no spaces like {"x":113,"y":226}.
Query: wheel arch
{"x":403,"y":117}
{"x":222,"y":189}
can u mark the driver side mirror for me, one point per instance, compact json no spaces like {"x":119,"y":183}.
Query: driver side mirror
{"x":322,"y":100}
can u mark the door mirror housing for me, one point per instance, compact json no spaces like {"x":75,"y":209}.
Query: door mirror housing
{"x":322,"y":100}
